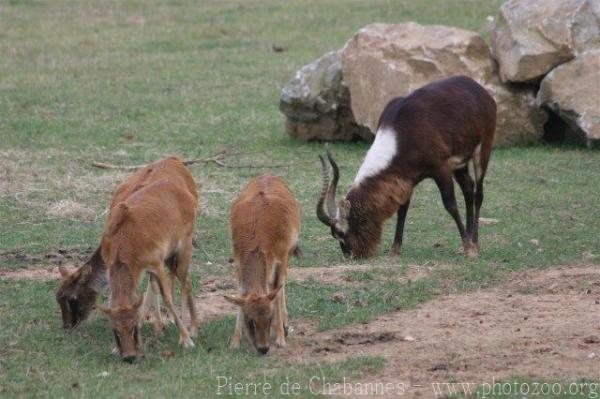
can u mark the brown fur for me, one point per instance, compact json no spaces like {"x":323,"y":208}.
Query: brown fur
{"x":153,"y":224}
{"x":78,"y":291}
{"x":438,"y":129}
{"x":265,"y":223}
{"x":370,"y":207}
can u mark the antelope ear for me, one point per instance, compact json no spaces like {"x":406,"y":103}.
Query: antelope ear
{"x":106,"y":310}
{"x":344,"y":207}
{"x":236,"y":300}
{"x":64,"y":272}
{"x":273,"y":294}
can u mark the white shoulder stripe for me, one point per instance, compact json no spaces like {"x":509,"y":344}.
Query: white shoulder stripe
{"x":379,"y":156}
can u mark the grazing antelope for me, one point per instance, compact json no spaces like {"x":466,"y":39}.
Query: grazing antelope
{"x":149,"y":230}
{"x":78,"y":290}
{"x":265,"y":224}
{"x":434,"y":132}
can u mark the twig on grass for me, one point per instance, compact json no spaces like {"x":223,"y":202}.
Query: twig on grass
{"x":217,"y":159}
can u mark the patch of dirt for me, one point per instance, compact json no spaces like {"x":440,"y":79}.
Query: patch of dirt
{"x":574,"y":280}
{"x":210,"y":303}
{"x":42,"y":274}
{"x":550,"y":332}
{"x":59,"y":256}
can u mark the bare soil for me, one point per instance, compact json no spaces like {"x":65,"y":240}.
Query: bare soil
{"x":543,"y":325}
{"x":39,"y":273}
{"x":43,"y":267}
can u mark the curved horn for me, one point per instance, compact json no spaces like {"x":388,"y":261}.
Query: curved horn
{"x":321,"y":213}
{"x":331,"y":207}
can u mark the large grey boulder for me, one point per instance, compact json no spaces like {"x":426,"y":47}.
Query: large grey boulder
{"x":530,"y":37}
{"x":316,"y":103}
{"x":573,"y":91}
{"x":384,"y":61}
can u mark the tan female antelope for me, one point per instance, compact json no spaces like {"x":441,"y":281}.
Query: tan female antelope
{"x":434,"y":132}
{"x":78,"y":290}
{"x":265,"y":224}
{"x":149,"y":230}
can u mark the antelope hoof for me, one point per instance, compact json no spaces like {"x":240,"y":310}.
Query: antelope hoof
{"x":280,"y":342}
{"x":234,"y":344}
{"x":193,"y":331}
{"x":186,"y":342}
{"x":395,"y":251}
{"x":471,"y":250}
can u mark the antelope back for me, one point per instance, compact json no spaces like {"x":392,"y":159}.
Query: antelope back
{"x":169,"y":168}
{"x":151,"y":212}
{"x":265,"y":216}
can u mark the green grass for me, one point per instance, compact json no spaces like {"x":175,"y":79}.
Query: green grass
{"x":129,"y":82}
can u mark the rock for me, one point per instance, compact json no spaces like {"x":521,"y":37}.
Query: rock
{"x":530,"y":37}
{"x":519,"y":119}
{"x":316,"y":103}
{"x":573,"y":91}
{"x":384,"y":61}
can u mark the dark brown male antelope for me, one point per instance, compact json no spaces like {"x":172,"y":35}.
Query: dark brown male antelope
{"x":148,"y":231}
{"x":434,"y":132}
{"x":265,"y":224}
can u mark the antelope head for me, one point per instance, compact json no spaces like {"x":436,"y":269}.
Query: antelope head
{"x":343,"y":218}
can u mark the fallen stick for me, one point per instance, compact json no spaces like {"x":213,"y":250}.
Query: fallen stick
{"x":217,"y":159}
